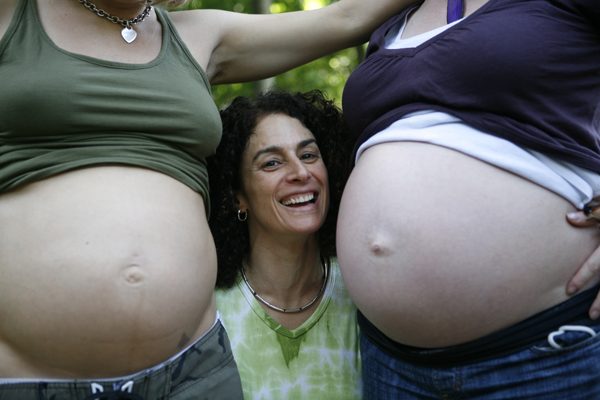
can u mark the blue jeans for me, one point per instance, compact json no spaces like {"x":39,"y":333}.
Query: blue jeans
{"x":566,"y":366}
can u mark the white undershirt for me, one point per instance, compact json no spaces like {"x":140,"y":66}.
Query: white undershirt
{"x":577,"y":185}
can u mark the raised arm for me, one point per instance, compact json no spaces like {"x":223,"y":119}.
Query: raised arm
{"x":250,"y":46}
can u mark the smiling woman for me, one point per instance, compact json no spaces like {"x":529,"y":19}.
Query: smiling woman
{"x":277,"y":179}
{"x":283,"y":184}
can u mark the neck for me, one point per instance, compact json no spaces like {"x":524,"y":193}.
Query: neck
{"x":122,"y":8}
{"x":294,"y":313}
{"x":285,"y":276}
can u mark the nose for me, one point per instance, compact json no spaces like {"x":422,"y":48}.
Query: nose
{"x":298,"y":171}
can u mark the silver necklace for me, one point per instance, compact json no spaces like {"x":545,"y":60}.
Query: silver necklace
{"x":258,"y":297}
{"x":127,"y":33}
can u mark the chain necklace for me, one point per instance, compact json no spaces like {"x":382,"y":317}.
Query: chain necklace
{"x":258,"y":297}
{"x":127,"y":33}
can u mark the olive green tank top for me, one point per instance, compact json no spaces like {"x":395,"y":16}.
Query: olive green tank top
{"x":60,"y":111}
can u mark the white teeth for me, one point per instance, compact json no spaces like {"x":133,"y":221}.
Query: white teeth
{"x":297,"y":200}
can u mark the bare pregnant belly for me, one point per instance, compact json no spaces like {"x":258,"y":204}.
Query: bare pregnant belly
{"x":103,"y":272}
{"x":438,"y":248}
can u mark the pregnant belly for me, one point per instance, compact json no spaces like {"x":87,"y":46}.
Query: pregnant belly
{"x":103,"y":272}
{"x":438,"y":248}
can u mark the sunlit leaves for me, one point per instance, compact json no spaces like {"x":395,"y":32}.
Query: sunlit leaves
{"x":313,"y":4}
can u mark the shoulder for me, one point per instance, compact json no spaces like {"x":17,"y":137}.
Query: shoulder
{"x":338,"y":291}
{"x":232,"y":302}
{"x":7,"y":10}
{"x":228,"y":296}
{"x":334,"y":268}
{"x":196,"y":26}
{"x":202,"y":30}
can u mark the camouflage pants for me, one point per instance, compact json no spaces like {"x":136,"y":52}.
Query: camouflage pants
{"x":206,"y":370}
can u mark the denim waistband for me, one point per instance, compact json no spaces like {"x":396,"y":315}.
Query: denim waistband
{"x":504,"y":341}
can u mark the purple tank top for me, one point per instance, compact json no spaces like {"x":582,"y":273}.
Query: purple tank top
{"x":524,"y":70}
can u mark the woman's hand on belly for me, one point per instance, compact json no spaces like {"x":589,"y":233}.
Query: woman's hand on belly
{"x":591,"y":267}
{"x":103,"y":272}
{"x":438,"y":248}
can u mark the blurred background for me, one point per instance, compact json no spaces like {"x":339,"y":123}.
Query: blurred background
{"x":327,"y":74}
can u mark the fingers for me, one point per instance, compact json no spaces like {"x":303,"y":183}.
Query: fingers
{"x":590,"y":216}
{"x":580,"y":220}
{"x":592,"y":209}
{"x":595,"y":308}
{"x":586,"y":273}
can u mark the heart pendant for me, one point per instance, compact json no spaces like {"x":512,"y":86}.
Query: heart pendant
{"x":128,"y":34}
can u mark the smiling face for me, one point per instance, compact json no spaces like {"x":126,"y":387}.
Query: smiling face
{"x":284,"y":180}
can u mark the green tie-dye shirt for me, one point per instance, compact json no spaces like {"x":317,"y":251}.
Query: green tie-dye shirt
{"x":318,"y":360}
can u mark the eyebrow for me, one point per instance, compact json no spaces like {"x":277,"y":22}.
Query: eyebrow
{"x":276,"y":149}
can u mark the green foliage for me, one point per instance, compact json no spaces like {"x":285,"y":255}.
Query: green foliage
{"x":327,"y":73}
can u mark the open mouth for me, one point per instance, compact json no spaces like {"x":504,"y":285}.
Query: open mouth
{"x":300,"y":200}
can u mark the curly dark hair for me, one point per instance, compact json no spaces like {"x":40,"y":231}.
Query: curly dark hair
{"x":319,"y":115}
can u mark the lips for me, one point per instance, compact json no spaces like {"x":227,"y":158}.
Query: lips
{"x":298,"y":200}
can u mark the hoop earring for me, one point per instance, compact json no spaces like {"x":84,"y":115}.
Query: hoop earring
{"x":242,"y":216}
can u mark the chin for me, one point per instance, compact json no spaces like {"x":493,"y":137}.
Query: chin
{"x":306,"y":228}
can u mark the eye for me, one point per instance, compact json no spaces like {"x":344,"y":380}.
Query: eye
{"x":270,"y":164}
{"x":310,"y":156}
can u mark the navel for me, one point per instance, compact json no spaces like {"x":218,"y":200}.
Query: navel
{"x":133,"y":275}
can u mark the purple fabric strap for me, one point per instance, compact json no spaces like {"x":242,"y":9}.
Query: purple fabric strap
{"x":455,"y":10}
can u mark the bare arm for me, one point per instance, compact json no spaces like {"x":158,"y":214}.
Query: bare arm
{"x":249,"y":47}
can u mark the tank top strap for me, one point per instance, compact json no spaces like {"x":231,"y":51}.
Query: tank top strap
{"x":178,"y":43}
{"x":455,"y":10}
